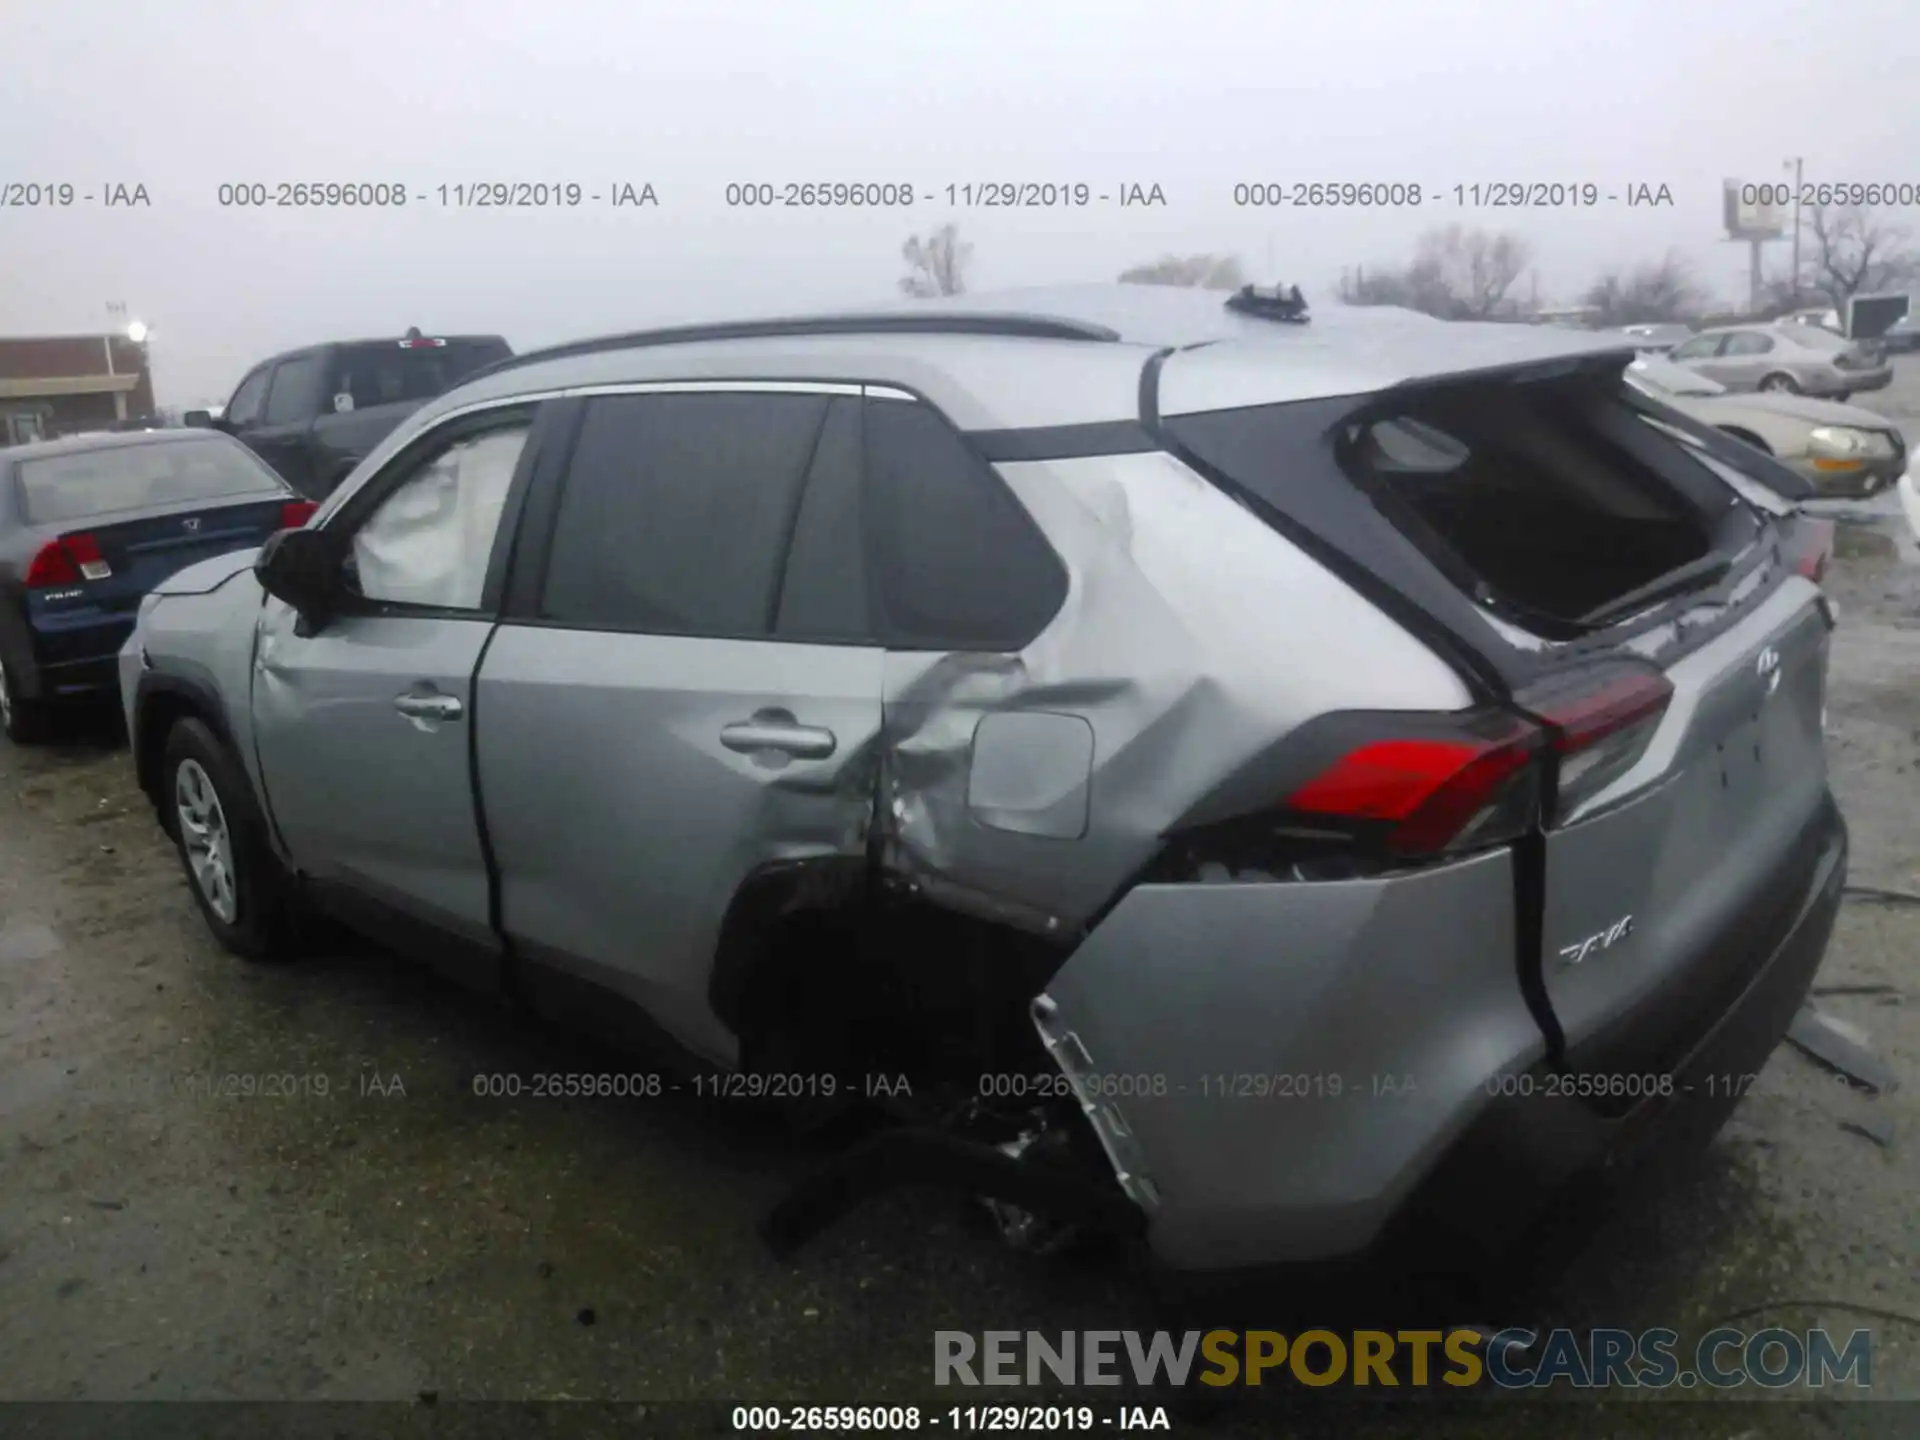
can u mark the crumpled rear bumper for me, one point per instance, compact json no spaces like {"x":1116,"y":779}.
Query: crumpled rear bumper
{"x":1345,"y":1069}
{"x":1273,"y":1067}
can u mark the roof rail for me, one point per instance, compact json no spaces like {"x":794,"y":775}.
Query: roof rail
{"x":1019,"y":326}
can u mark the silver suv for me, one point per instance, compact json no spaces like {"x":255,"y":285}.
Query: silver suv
{"x":1257,"y":778}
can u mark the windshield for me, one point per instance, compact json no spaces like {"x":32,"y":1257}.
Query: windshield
{"x":87,"y":483}
{"x":1675,"y":379}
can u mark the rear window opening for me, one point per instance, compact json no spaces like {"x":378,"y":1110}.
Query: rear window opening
{"x":86,"y":484}
{"x":1522,"y":494}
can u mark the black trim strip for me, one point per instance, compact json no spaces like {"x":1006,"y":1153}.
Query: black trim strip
{"x":1064,"y":442}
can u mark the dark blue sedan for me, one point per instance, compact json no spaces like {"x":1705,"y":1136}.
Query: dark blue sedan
{"x":90,"y":524}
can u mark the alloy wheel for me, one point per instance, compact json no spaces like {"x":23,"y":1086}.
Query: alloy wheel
{"x":206,"y":838}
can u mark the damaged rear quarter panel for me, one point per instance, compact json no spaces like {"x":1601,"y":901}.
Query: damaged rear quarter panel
{"x":1192,"y":640}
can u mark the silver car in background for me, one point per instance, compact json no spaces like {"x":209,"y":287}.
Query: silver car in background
{"x":1272,"y":784}
{"x":1797,"y":359}
{"x":1843,"y":449}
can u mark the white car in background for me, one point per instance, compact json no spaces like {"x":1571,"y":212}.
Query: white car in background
{"x":1843,"y":450}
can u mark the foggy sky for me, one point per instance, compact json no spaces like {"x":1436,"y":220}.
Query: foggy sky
{"x":1192,"y":96}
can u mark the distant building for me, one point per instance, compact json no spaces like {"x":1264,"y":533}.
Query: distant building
{"x":63,"y":384}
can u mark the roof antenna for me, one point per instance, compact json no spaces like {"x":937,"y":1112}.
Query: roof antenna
{"x":1271,"y":302}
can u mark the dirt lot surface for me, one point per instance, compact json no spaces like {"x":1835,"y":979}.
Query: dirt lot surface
{"x":384,"y":1233}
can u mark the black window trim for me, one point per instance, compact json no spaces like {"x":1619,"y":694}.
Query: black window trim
{"x":541,"y":420}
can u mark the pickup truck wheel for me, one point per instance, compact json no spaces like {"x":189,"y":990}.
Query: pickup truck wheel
{"x":239,"y":885}
{"x":22,"y":721}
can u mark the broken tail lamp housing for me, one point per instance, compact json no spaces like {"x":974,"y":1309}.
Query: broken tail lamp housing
{"x":1448,"y":784}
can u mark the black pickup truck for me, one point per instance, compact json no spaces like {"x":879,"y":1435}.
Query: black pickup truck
{"x":313,"y":414}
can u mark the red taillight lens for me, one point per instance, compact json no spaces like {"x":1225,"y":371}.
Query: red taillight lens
{"x":296,"y":513}
{"x":1816,"y":553}
{"x":67,"y":561}
{"x":52,"y":566}
{"x":1599,"y":723}
{"x":1432,"y":795}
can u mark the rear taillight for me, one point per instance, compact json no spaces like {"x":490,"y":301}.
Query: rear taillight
{"x":1429,"y":795}
{"x":296,"y":513}
{"x":1599,"y":723}
{"x":67,"y":561}
{"x":1815,"y":550}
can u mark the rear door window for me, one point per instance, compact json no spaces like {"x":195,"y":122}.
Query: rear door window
{"x":394,"y":374}
{"x":959,"y":564}
{"x":676,"y":512}
{"x":1701,"y":348}
{"x":824,"y":592}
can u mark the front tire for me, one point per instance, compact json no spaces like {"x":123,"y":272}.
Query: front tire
{"x":24,"y":722}
{"x":244,"y":894}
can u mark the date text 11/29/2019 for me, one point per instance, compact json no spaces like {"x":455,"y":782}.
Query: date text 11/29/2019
{"x":1478,"y":195}
{"x":961,"y":1419}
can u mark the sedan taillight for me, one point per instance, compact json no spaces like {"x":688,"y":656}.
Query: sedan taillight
{"x":67,"y":561}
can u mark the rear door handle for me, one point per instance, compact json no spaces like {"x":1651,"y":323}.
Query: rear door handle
{"x":416,"y":706}
{"x":783,"y":733}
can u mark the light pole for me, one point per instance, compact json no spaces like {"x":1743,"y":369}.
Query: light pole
{"x":1796,"y":163}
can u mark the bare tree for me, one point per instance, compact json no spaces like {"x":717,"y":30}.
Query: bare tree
{"x":937,"y":265}
{"x":1456,"y":274}
{"x":1660,"y":290}
{"x":1854,"y":251}
{"x":1202,"y":272}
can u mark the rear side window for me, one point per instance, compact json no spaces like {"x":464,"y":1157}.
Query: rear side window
{"x":959,"y":564}
{"x":676,"y":512}
{"x":89,"y":483}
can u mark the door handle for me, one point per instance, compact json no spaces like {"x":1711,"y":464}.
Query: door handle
{"x":803,"y":742}
{"x":416,"y":706}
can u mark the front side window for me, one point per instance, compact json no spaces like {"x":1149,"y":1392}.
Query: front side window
{"x":1748,"y":342}
{"x":1698,"y":349}
{"x":244,"y":408}
{"x":429,"y":542}
{"x":292,"y":398}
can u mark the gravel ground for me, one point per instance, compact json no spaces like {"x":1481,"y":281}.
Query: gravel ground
{"x":400,"y":1237}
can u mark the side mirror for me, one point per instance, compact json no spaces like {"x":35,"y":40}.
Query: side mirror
{"x":301,"y":567}
{"x":198,"y":419}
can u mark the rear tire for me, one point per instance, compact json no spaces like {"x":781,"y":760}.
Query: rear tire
{"x":1779,"y":382}
{"x":245,"y":895}
{"x":24,"y":722}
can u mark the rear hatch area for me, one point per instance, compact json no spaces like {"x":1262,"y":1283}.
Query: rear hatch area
{"x":1592,"y":577}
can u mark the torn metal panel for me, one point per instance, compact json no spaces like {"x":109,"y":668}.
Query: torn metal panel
{"x":1191,"y":643}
